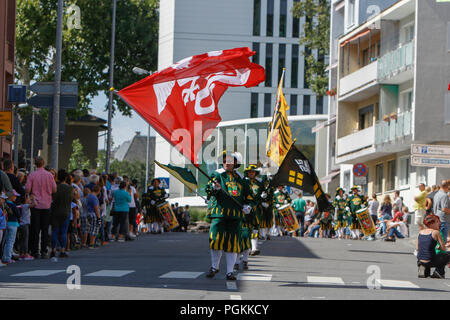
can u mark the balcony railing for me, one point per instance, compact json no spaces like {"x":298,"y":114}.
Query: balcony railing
{"x":396,"y":61}
{"x":356,"y":141}
{"x":394,"y":129}
{"x":358,"y":78}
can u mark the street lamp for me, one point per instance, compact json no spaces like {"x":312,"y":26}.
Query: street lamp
{"x":111,"y":83}
{"x":141,"y":71}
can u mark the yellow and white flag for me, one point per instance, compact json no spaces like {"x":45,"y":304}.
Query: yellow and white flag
{"x":279,"y":139}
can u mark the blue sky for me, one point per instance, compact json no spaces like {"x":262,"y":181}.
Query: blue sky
{"x":123,"y":128}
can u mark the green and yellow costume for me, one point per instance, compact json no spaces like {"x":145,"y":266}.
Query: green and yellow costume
{"x":339,"y":203}
{"x":158,"y":195}
{"x":280,"y":198}
{"x":355,"y":202}
{"x":226,"y":215}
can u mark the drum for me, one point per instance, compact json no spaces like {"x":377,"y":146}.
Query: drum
{"x":166,"y":212}
{"x":365,"y":221}
{"x":288,"y":217}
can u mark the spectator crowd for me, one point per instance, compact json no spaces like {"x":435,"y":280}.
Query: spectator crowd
{"x":45,"y":214}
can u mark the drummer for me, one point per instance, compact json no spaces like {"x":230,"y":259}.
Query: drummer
{"x":325,"y":222}
{"x":280,"y":198}
{"x":250,"y":225}
{"x":225,"y":214}
{"x":339,"y":203}
{"x":355,"y":202}
{"x":150,"y":200}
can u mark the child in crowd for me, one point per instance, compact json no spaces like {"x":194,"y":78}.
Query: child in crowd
{"x":24,"y":229}
{"x":12,"y":225}
{"x":397,"y":214}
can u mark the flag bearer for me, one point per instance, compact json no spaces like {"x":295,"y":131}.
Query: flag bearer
{"x":230,"y":199}
{"x":150,"y":200}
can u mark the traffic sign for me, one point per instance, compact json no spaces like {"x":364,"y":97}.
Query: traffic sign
{"x":430,"y":150}
{"x":360,"y":181}
{"x":5,"y":123}
{"x":66,"y":102}
{"x":422,"y":161}
{"x":48,"y":88}
{"x":17,"y":93}
{"x":360,"y":170}
{"x":165,"y":183}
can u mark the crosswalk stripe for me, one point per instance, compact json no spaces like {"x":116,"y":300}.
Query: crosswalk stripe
{"x":182,"y":275}
{"x":397,"y":284}
{"x":37,"y":273}
{"x":109,"y":273}
{"x":235,"y":297}
{"x":254,"y":277}
{"x":325,"y":280}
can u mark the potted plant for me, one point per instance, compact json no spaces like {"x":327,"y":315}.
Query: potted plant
{"x":331,"y":92}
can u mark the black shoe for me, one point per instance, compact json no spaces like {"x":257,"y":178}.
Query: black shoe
{"x":256,"y":252}
{"x":44,"y":255}
{"x":231,"y":276}
{"x":437,"y":275}
{"x":236,"y":267}
{"x":63,"y":255}
{"x":245,"y":265}
{"x":211,"y":272}
{"x":52,"y":255}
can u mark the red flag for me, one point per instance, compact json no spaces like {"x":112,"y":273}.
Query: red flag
{"x":184,"y":97}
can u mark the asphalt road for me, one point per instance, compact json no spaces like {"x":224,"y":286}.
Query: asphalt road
{"x":173,"y":266}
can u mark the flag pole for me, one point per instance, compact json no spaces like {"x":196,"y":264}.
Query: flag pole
{"x":280,"y":85}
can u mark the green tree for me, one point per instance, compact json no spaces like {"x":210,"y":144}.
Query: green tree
{"x":78,"y":160}
{"x":132,"y":169}
{"x":86,"y":51}
{"x":315,"y":36}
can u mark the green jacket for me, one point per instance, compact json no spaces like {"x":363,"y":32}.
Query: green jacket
{"x":156,"y":194}
{"x":340,"y":204}
{"x":221,"y":205}
{"x":279,"y":197}
{"x":355,"y":203}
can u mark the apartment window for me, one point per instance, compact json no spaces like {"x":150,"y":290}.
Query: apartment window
{"x":269,"y":49}
{"x":256,"y":17}
{"x":281,"y":59}
{"x":294,"y":66}
{"x":351,"y":13}
{"x":306,"y":104}
{"x":366,"y":117}
{"x":406,"y":100}
{"x":379,"y":178}
{"x":255,"y":47}
{"x":295,"y":25}
{"x":270,"y":9}
{"x":283,"y":17}
{"x":254,"y":106}
{"x":293,"y":105}
{"x":404,"y":171}
{"x":392,"y":172}
{"x":408,"y":33}
{"x":267,"y":104}
{"x":319,"y":105}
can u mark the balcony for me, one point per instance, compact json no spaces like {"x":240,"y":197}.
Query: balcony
{"x":392,"y":133}
{"x":354,"y":86}
{"x":396,"y":66}
{"x":355,"y":142}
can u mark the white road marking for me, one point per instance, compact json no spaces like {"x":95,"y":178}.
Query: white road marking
{"x":318,"y":297}
{"x":37,"y":273}
{"x":325,"y":280}
{"x":254,"y":277}
{"x":181,"y":275}
{"x":397,"y":284}
{"x":109,"y":273}
{"x":234,"y":297}
{"x":231,"y":285}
